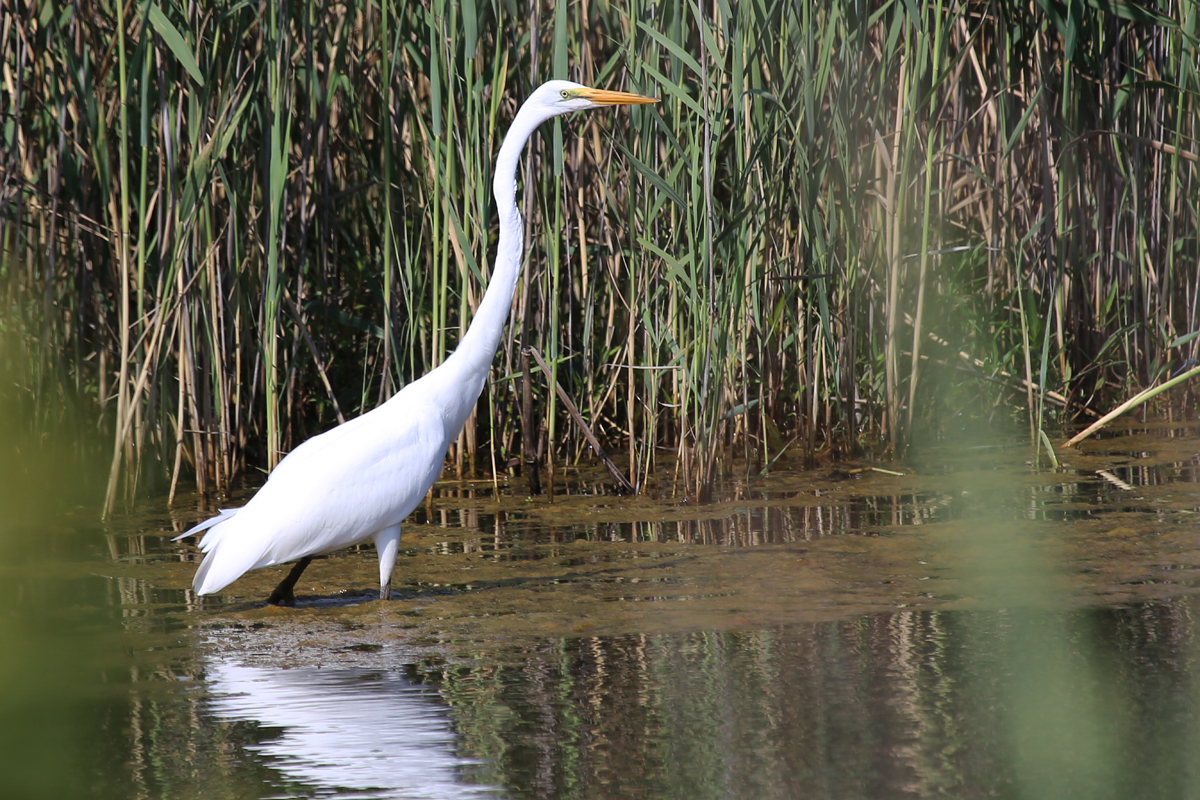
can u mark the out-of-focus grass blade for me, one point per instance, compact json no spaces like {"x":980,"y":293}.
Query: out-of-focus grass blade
{"x":675,"y":91}
{"x":1022,"y":122}
{"x":175,"y":41}
{"x":688,"y":60}
{"x":652,"y":176}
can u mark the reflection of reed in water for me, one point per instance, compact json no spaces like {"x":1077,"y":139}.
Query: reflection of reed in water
{"x":755,"y":519}
{"x":372,"y":733}
{"x":909,"y":704}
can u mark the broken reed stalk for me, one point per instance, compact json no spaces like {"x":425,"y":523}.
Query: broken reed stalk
{"x":623,"y":486}
{"x":1133,"y":402}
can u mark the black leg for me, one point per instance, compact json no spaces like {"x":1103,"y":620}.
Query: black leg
{"x":283,"y":596}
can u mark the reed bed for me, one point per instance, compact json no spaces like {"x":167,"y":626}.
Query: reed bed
{"x":226,"y":227}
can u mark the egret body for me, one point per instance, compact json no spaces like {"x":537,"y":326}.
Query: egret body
{"x":357,"y":482}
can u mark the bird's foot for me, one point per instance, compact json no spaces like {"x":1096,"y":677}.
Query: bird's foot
{"x":282,"y":597}
{"x":284,"y":594}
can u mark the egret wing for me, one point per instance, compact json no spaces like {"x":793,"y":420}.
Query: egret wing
{"x":367,"y":478}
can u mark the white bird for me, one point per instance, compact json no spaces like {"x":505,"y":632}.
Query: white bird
{"x":357,"y":482}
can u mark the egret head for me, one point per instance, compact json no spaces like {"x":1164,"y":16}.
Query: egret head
{"x":555,"y":98}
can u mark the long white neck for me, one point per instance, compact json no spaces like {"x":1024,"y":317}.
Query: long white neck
{"x":460,"y":377}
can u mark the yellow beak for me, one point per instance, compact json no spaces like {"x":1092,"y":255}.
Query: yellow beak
{"x":603,"y":97}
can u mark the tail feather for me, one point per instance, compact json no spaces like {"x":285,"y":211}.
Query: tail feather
{"x":217,"y":571}
{"x":223,"y":515}
{"x":202,"y":574}
{"x":229,"y":554}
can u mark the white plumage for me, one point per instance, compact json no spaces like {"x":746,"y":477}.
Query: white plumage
{"x":358,"y":481}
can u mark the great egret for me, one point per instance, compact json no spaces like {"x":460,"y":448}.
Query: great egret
{"x":358,"y":481}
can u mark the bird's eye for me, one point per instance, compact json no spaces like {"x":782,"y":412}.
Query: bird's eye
{"x":566,"y":94}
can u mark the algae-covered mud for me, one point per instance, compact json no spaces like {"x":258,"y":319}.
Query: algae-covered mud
{"x":970,"y":627}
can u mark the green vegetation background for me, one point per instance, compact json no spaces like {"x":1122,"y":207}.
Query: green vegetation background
{"x":225,"y":226}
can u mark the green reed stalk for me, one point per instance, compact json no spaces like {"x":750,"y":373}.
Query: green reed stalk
{"x":387,"y":232}
{"x":274,"y":184}
{"x":927,"y":201}
{"x":120,"y":226}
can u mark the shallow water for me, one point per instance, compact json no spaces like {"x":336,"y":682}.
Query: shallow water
{"x":971,"y":628}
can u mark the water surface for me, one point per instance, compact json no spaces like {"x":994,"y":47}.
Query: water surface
{"x":971,"y":628}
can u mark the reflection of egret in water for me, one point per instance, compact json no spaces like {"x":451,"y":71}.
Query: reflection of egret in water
{"x":347,"y":732}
